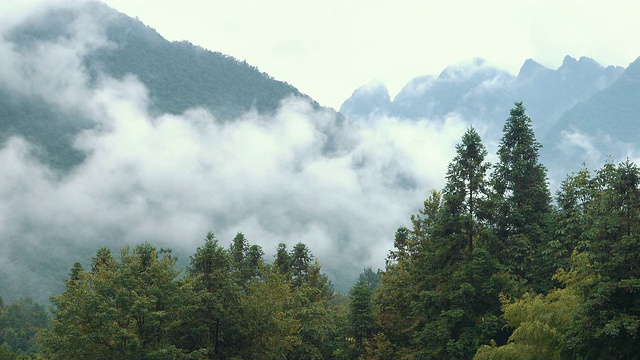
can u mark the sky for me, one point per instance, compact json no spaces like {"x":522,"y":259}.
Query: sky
{"x":327,"y":49}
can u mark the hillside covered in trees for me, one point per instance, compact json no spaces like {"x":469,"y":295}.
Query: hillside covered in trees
{"x":491,"y":268}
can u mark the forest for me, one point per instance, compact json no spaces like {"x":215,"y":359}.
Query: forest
{"x":492,"y":267}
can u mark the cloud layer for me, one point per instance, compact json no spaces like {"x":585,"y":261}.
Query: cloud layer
{"x":297,"y":175}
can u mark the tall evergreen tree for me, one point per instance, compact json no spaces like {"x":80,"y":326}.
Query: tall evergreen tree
{"x":300,"y":262}
{"x":465,"y":193}
{"x":522,"y":201}
{"x":440,"y":293}
{"x":282,"y":260}
{"x":209,"y":315}
{"x":361,"y":321}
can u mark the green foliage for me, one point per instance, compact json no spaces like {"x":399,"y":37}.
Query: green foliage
{"x":270,"y":326}
{"x":360,"y":315}
{"x":438,"y":297}
{"x":229,"y":304}
{"x":120,"y":309}
{"x":210,"y":300}
{"x":20,"y":323}
{"x":541,"y":322}
{"x":460,"y":282}
{"x":522,"y":202}
{"x":608,"y":321}
{"x":465,"y":195}
{"x":370,"y":278}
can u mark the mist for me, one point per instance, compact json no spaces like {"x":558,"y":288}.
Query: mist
{"x":297,"y":175}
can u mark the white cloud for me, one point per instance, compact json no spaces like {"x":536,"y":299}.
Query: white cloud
{"x":297,"y":175}
{"x":169,"y":179}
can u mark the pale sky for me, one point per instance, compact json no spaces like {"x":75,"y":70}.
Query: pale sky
{"x":327,"y":49}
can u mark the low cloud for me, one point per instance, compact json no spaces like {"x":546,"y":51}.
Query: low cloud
{"x":170,"y":179}
{"x":297,"y":175}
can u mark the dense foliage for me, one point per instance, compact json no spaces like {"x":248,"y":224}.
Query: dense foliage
{"x":19,"y":323}
{"x":490,"y":269}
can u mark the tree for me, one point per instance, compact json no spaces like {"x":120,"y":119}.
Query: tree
{"x":269,"y":326}
{"x":208,"y":317}
{"x":313,"y":309}
{"x":282,"y":259}
{"x":300,"y":261}
{"x":522,"y":201}
{"x":465,"y":193}
{"x":370,"y":278}
{"x":572,"y":218}
{"x":361,"y":321}
{"x":541,"y":322}
{"x":439,"y":298}
{"x":609,"y":319}
{"x":20,"y":323}
{"x":238,"y":251}
{"x":245,"y":259}
{"x":120,"y":309}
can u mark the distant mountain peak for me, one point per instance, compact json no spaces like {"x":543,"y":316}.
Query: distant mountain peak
{"x":530,"y":67}
{"x":463,"y":70}
{"x":584,"y":63}
{"x":568,"y":61}
{"x":370,"y":98}
{"x":587,"y":60}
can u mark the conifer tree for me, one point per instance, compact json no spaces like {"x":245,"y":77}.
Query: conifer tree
{"x":213,"y":298}
{"x":121,"y":309}
{"x":609,"y":320}
{"x":465,"y":194}
{"x":440,"y":295}
{"x":361,"y":322}
{"x":522,"y":201}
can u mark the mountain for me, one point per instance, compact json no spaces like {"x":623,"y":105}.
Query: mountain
{"x":603,"y":125}
{"x":177,"y":75}
{"x":76,"y":76}
{"x":581,"y":112}
{"x":473,"y":89}
{"x":370,"y":99}
{"x":548,"y":94}
{"x":483,"y":94}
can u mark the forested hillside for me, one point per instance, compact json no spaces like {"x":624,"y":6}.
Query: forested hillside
{"x":178,"y":75}
{"x":491,"y":268}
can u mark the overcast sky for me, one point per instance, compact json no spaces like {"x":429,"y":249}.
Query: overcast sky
{"x":329,"y":48}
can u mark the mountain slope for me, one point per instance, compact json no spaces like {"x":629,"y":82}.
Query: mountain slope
{"x":481,"y":93}
{"x":83,"y":88}
{"x":178,"y":75}
{"x":615,"y":111}
{"x":605,"y":125}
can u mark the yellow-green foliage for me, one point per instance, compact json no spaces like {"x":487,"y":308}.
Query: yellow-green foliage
{"x":541,"y":321}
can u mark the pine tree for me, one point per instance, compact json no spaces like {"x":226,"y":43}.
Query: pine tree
{"x":361,"y":321}
{"x":440,"y":295}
